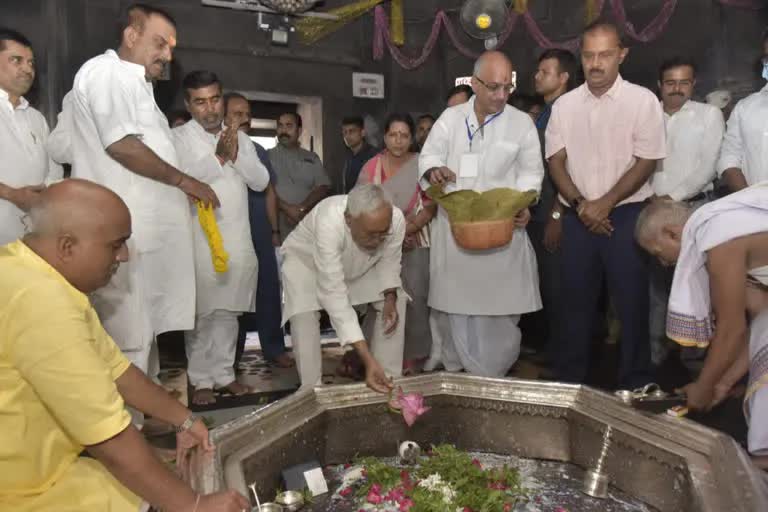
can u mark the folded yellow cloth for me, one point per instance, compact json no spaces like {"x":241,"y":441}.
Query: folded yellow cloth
{"x":211,"y":230}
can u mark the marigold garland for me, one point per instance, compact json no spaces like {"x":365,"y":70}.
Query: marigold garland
{"x":207,"y":219}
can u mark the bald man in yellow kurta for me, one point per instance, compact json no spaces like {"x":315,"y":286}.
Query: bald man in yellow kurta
{"x":64,"y":384}
{"x":57,"y":392}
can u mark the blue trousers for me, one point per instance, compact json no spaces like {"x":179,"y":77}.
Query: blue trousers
{"x":586,"y":260}
{"x":268,"y":316}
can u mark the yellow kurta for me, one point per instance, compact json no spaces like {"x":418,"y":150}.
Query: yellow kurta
{"x":58,"y":368}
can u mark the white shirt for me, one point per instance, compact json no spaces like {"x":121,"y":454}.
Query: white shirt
{"x":234,"y":289}
{"x":112,"y":99}
{"x":59,"y":144}
{"x":23,"y":133}
{"x":503,"y":281}
{"x":745,"y":145}
{"x":323,"y":268}
{"x":694,"y":135}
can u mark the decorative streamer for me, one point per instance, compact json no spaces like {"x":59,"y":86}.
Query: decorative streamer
{"x":521,"y":6}
{"x":312,"y":30}
{"x":397,"y":23}
{"x":382,"y":36}
{"x":207,"y":219}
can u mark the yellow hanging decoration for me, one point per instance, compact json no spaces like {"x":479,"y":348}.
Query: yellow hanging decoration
{"x":591,"y":11}
{"x":521,"y":6}
{"x":312,"y":30}
{"x":397,"y":23}
{"x":208,"y":222}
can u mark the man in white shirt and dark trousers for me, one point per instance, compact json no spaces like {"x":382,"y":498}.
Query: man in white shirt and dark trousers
{"x":694,"y":134}
{"x":225,"y":158}
{"x":25,"y":168}
{"x":744,"y":155}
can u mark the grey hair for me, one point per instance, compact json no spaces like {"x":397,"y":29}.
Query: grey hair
{"x":366,"y":199}
{"x":658,"y":214}
{"x":478,"y":66}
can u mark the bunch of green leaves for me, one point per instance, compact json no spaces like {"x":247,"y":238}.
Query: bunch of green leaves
{"x":470,"y":482}
{"x":377,"y":472}
{"x":471,"y":206}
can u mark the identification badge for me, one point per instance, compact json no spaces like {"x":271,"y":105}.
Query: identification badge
{"x":468,"y":167}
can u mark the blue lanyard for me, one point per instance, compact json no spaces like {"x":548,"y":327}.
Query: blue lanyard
{"x":471,"y":135}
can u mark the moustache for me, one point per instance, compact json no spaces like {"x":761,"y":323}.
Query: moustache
{"x":283,"y":136}
{"x":676,"y":94}
{"x":596,"y":72}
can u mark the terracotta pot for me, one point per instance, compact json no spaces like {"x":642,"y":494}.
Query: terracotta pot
{"x":481,"y":236}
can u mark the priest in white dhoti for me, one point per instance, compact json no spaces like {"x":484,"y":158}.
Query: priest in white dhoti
{"x":25,"y":168}
{"x":721,"y":277}
{"x":226,"y":159}
{"x":121,"y":139}
{"x":477,"y":297}
{"x":344,"y":256}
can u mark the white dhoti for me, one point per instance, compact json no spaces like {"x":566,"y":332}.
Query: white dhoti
{"x":211,"y":349}
{"x":386,"y":348}
{"x":487,"y":346}
{"x":756,"y":400}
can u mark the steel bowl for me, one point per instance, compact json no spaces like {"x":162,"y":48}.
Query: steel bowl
{"x":290,"y":500}
{"x":268,"y":507}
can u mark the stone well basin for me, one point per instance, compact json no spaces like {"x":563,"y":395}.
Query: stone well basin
{"x":670,"y":464}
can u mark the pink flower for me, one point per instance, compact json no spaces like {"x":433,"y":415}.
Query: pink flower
{"x":373,"y":498}
{"x":406,"y":505}
{"x":476,"y":462}
{"x":345,"y":492}
{"x":411,"y":405}
{"x":376,"y":488}
{"x":560,"y":509}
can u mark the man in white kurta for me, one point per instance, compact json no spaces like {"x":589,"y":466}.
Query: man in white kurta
{"x":121,"y":139}
{"x":226,"y":160}
{"x":336,"y":259}
{"x":23,"y":132}
{"x":477,"y":297}
{"x":744,"y":154}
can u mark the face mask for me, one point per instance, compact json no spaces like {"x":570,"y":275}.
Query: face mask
{"x":765,"y":69}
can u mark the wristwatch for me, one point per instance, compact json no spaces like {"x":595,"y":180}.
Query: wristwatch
{"x":556,"y":215}
{"x":187,"y":424}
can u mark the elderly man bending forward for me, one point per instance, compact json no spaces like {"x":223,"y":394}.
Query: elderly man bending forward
{"x":345,"y":255}
{"x":721,"y":257}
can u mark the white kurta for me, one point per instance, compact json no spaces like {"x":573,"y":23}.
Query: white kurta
{"x":59,"y":144}
{"x":501,"y":281}
{"x":745,"y":145}
{"x":694,"y":135}
{"x":233,"y":290}
{"x":23,"y":134}
{"x":323,"y":268}
{"x":155,"y":291}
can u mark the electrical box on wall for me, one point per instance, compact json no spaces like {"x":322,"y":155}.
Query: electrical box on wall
{"x":368,"y":85}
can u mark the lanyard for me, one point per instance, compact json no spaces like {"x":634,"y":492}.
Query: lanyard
{"x":471,"y":135}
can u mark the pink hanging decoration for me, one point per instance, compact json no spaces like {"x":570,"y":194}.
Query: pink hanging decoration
{"x":654,"y":28}
{"x":382,"y":36}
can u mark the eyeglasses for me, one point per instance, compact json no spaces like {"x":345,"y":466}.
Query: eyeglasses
{"x":494,"y":88}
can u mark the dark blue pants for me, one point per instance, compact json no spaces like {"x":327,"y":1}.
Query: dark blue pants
{"x":587,"y":259}
{"x":268,"y":316}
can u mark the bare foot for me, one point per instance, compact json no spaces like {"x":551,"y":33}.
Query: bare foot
{"x":237,"y":389}
{"x":284,"y":361}
{"x":203,"y":396}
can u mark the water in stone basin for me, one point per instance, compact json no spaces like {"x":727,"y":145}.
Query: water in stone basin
{"x":551,"y":487}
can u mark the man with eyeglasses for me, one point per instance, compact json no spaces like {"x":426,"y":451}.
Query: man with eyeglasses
{"x":344,"y":256}
{"x":744,"y":157}
{"x":694,"y":134}
{"x":477,"y":297}
{"x":602,"y":143}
